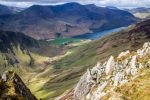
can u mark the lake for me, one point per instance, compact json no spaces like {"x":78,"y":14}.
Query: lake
{"x":98,"y":34}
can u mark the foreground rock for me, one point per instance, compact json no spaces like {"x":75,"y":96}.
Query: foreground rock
{"x":13,"y":88}
{"x":104,"y":78}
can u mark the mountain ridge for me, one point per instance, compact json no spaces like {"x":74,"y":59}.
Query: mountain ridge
{"x":42,"y":22}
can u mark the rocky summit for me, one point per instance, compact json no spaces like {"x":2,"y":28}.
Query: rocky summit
{"x":103,"y":80}
{"x":13,"y":88}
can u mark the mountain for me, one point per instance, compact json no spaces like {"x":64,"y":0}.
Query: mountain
{"x":13,"y":88}
{"x":141,"y":12}
{"x":8,"y":10}
{"x":9,"y":39}
{"x":16,"y":9}
{"x":112,"y":7}
{"x":67,"y":20}
{"x":4,"y":10}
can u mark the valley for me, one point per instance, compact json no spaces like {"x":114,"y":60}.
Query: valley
{"x":48,"y":48}
{"x":60,"y":73}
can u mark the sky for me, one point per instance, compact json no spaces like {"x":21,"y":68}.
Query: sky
{"x":116,"y":3}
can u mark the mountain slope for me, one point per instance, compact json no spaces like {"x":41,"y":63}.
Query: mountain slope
{"x":65,"y":72}
{"x":4,"y":10}
{"x":128,"y":39}
{"x":13,"y":88}
{"x":9,"y":39}
{"x":143,"y":13}
{"x":100,"y":50}
{"x":23,"y":54}
{"x":44,"y":22}
{"x":104,"y":78}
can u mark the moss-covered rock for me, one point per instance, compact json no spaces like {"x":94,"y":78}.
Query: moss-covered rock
{"x":13,"y":88}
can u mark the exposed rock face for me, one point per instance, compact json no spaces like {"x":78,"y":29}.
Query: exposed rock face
{"x":103,"y":78}
{"x":14,"y":88}
{"x":110,"y":65}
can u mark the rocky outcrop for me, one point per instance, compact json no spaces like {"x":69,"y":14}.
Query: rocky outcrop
{"x":13,"y":88}
{"x":103,"y":78}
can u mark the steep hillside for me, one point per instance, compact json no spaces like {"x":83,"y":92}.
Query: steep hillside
{"x":128,"y":39}
{"x":71,"y":19}
{"x":13,"y":39}
{"x":23,"y":54}
{"x":4,"y":10}
{"x":117,"y":78}
{"x":65,"y":72}
{"x":13,"y":88}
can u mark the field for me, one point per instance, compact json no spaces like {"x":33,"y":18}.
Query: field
{"x":63,"y":41}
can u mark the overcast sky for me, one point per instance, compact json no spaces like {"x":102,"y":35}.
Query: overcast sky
{"x":117,"y":3}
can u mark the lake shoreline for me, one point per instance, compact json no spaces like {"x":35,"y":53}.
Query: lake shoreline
{"x":97,"y":35}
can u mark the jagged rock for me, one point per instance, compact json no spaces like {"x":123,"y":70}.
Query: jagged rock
{"x":119,"y":78}
{"x":133,"y":65}
{"x":145,"y":50}
{"x":123,"y":53}
{"x":4,"y":77}
{"x":111,"y":73}
{"x":83,"y":87}
{"x":14,"y":88}
{"x":141,"y":66}
{"x":110,"y":65}
{"x":98,"y":93}
{"x":96,"y":72}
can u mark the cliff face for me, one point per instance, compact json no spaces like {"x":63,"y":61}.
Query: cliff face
{"x":13,"y":88}
{"x":103,"y":79}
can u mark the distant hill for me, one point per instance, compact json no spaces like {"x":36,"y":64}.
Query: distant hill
{"x":71,"y":19}
{"x":141,"y":12}
{"x":5,"y":10}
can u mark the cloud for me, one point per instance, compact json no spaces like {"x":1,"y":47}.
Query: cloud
{"x":117,"y":3}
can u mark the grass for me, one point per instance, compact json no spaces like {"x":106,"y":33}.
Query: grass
{"x":65,"y":72}
{"x":84,"y":56}
{"x":62,"y":41}
{"x":139,"y":89}
{"x":8,"y":89}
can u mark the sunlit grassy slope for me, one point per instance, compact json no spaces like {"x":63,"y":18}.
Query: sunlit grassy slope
{"x":137,"y":89}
